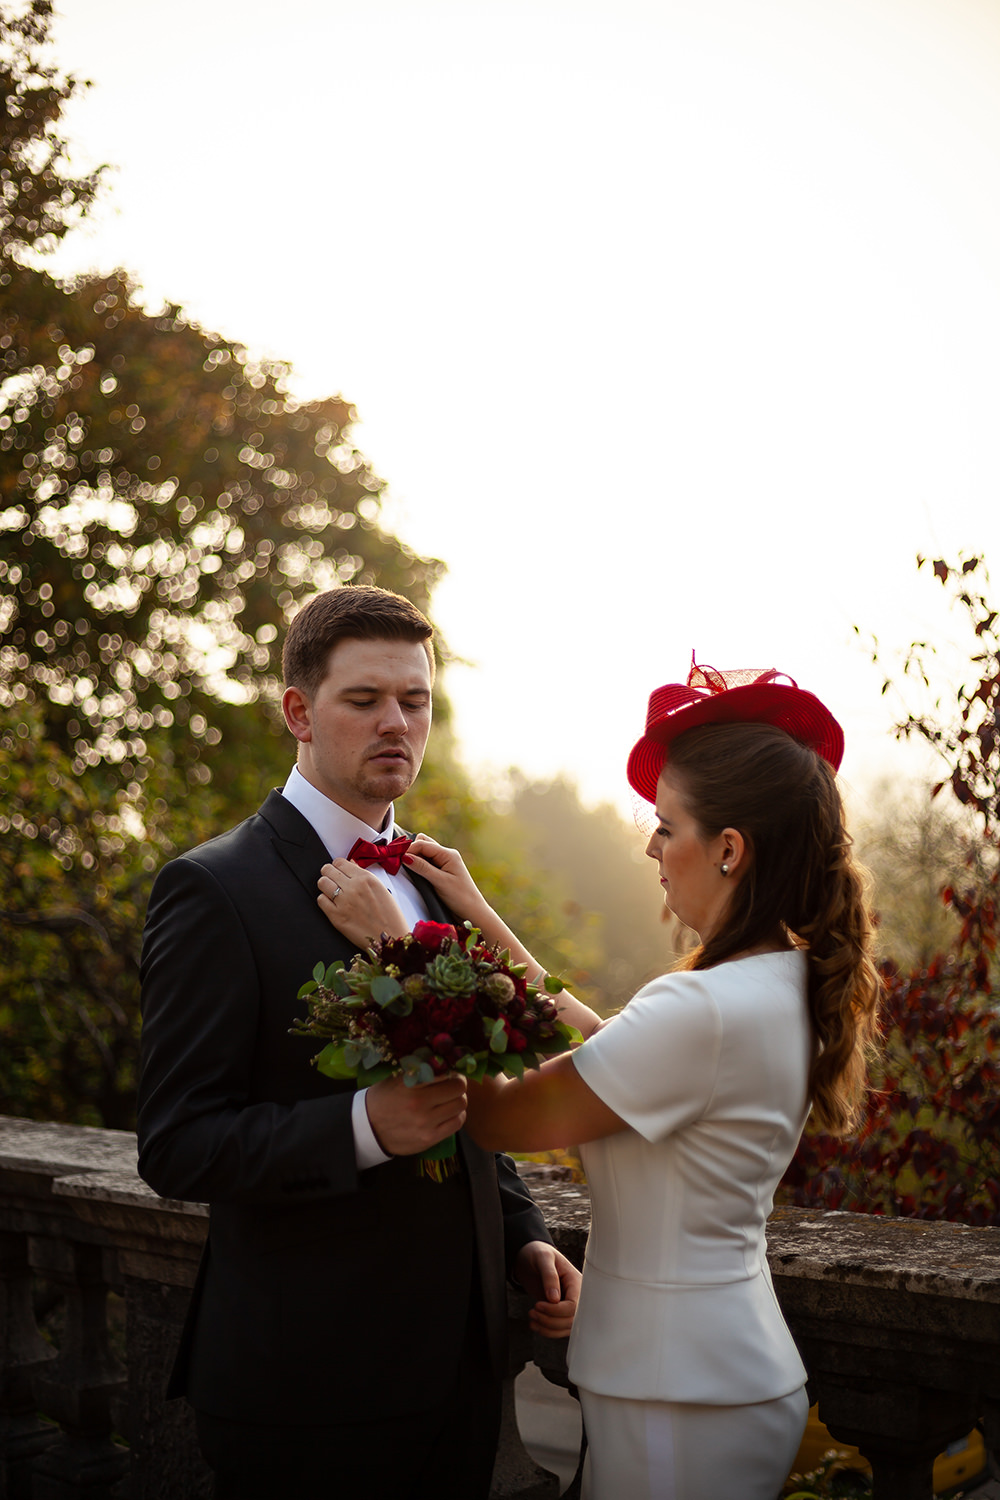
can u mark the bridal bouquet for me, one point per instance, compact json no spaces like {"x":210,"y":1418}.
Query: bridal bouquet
{"x":436,"y":1001}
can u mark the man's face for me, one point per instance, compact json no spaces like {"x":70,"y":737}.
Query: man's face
{"x":362,"y":735}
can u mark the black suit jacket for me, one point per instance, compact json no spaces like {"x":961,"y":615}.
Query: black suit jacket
{"x":324,"y":1293}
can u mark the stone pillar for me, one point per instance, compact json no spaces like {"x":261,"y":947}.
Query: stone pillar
{"x":899,"y":1428}
{"x":23,"y":1354}
{"x":159,"y":1244}
{"x":166,"y":1461}
{"x":78,"y":1387}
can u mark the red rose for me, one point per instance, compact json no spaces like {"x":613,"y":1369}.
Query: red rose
{"x":516,"y":1040}
{"x":433,"y":935}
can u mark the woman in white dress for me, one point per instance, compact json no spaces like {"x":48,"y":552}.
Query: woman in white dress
{"x":688,"y":1105}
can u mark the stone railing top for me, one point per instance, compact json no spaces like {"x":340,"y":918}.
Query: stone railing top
{"x":910,"y":1255}
{"x":55,"y":1150}
{"x":954,"y":1261}
{"x":83,"y":1163}
{"x":943,"y":1260}
{"x":124,"y":1188}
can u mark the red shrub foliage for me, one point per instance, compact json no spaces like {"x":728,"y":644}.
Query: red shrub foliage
{"x":929,"y":1145}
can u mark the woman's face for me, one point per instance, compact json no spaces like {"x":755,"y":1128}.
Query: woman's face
{"x":694,"y":888}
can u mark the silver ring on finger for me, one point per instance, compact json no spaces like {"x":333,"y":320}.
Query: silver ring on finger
{"x":336,"y":893}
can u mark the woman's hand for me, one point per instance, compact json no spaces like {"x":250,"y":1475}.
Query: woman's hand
{"x":553,"y":1282}
{"x":445,"y":869}
{"x":358,"y":904}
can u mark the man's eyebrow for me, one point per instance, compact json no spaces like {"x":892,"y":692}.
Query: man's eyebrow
{"x":372,"y":690}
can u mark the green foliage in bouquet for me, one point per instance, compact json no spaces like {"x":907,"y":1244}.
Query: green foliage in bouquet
{"x":433,"y":1002}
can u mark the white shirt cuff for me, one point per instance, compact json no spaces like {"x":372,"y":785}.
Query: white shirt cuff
{"x":367,"y":1150}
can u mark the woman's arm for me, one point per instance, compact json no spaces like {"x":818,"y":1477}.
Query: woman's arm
{"x":551,"y":1106}
{"x":446,"y":871}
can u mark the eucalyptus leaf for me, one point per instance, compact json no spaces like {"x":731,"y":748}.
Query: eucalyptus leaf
{"x":332,"y":1063}
{"x":319,"y":971}
{"x":368,"y":1076}
{"x":513,"y":1065}
{"x":553,"y":984}
{"x":417,"y":1068}
{"x":498,"y":1041}
{"x":309,"y":988}
{"x":385,"y":989}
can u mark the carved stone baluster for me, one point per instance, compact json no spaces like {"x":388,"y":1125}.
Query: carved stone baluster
{"x":23,"y":1353}
{"x":899,"y":1429}
{"x":78,"y":1388}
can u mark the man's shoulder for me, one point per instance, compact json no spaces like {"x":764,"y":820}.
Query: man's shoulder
{"x":231,"y":844}
{"x":247,"y":841}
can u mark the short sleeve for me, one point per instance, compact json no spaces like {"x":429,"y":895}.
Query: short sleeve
{"x":655,"y":1064}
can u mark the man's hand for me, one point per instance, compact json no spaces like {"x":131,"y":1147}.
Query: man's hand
{"x":408,"y":1120}
{"x":554,"y":1283}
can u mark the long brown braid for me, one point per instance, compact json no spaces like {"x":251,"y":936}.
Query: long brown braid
{"x":802,"y":881}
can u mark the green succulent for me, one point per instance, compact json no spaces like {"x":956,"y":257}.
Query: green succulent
{"x":450,"y":976}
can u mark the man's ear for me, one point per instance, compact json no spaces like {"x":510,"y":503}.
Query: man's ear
{"x":298,"y":716}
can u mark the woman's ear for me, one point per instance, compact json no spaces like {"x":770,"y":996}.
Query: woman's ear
{"x":735,"y":852}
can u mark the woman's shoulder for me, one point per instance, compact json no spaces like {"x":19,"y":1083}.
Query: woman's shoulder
{"x":707,"y":1000}
{"x":781,"y":966}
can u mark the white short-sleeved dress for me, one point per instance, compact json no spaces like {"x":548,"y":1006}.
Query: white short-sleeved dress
{"x":710,"y":1070}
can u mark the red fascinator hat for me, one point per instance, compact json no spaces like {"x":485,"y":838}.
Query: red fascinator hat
{"x":749,"y":696}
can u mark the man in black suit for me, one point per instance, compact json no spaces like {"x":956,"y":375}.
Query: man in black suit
{"x":346,"y":1335}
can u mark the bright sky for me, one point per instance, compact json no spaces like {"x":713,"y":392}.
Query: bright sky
{"x":673,"y":324}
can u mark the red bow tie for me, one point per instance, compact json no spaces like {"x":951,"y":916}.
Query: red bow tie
{"x":389,"y":856}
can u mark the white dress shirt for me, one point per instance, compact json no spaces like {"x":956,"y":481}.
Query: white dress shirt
{"x":339,"y":830}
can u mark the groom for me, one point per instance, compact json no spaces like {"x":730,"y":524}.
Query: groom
{"x":346,"y":1334}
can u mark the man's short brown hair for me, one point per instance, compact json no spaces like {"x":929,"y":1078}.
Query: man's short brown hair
{"x":355,"y":612}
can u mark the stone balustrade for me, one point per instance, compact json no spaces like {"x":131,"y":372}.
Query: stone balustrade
{"x":898,"y":1322}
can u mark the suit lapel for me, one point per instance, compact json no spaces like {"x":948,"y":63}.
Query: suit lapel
{"x":296,"y":841}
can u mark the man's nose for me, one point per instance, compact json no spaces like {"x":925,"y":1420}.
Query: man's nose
{"x":393,"y":720}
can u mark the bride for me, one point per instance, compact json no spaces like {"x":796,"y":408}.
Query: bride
{"x":689,"y":1104}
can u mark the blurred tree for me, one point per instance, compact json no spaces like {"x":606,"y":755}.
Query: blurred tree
{"x":600,"y":863}
{"x":75,"y":867}
{"x":39,"y":199}
{"x":165,"y":506}
{"x":165,"y":503}
{"x":914,"y":847}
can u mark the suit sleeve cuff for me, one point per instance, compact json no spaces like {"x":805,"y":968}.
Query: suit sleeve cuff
{"x":367,"y":1150}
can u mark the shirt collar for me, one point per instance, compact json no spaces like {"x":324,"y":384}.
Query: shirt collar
{"x":336,"y":827}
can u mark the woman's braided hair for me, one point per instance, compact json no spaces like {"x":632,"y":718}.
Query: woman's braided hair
{"x":783,"y":798}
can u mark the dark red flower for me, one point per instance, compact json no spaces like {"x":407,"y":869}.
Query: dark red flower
{"x":516,"y":1040}
{"x":433,"y":935}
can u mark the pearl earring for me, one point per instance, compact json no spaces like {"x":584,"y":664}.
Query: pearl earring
{"x":723,"y":869}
